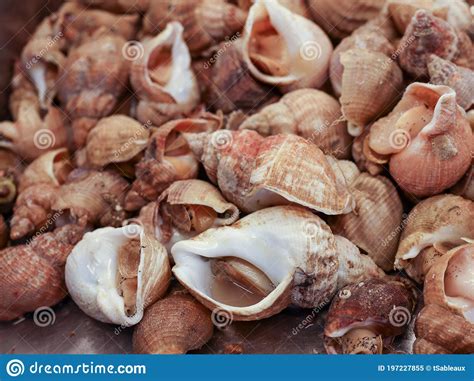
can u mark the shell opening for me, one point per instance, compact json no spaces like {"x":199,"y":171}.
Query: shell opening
{"x":459,"y":282}
{"x":361,"y":341}
{"x":212,"y":268}
{"x":127,"y":273}
{"x":179,"y":156}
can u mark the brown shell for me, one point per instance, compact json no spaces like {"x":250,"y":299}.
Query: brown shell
{"x":439,"y":219}
{"x":309,"y":113}
{"x":439,"y":331}
{"x":384,"y":306}
{"x":162,"y":77}
{"x":368,"y":37}
{"x":461,"y":79}
{"x":91,"y":84}
{"x":206,"y":22}
{"x":341,"y":18}
{"x":361,"y":158}
{"x":371,"y":83}
{"x":79,"y":24}
{"x":374,"y":225}
{"x":254,"y":172}
{"x":116,"y":139}
{"x":426,"y":35}
{"x":4,"y":233}
{"x":94,"y":197}
{"x":32,"y":275}
{"x":228,"y":82}
{"x":174,"y":325}
{"x":162,"y":163}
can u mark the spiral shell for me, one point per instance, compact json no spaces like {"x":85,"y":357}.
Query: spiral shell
{"x":32,"y":275}
{"x":174,"y":325}
{"x":254,"y":172}
{"x":284,"y":49}
{"x":439,"y":219}
{"x":162,"y":77}
{"x":116,"y":139}
{"x":291,"y":246}
{"x":309,"y":113}
{"x":94,"y":267}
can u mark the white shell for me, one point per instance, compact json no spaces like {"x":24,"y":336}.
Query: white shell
{"x":91,"y":274}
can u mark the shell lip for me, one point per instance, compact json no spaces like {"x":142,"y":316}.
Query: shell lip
{"x":94,"y":289}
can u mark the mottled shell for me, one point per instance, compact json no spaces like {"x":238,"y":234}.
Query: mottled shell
{"x":174,"y":325}
{"x":180,"y":196}
{"x":254,"y":172}
{"x":207,"y":22}
{"x":96,"y":197}
{"x":51,"y":167}
{"x":451,"y":275}
{"x":341,"y":18}
{"x":426,"y":35}
{"x":384,"y":306}
{"x":116,"y":139}
{"x":167,"y":158}
{"x":375,"y":224}
{"x":32,"y":275}
{"x":368,"y":37}
{"x":92,"y":269}
{"x":371,"y":83}
{"x":228,"y":83}
{"x":460,"y":79}
{"x":309,"y":113}
{"x":439,"y":331}
{"x":162,"y":77}
{"x":294,"y":248}
{"x":428,"y":137}
{"x":284,"y":49}
{"x":439,"y":219}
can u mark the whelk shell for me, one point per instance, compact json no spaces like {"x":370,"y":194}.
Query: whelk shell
{"x":168,"y":158}
{"x":364,"y":314}
{"x":174,"y":325}
{"x":380,"y":80}
{"x":439,"y":220}
{"x":284,"y":49}
{"x":207,"y":22}
{"x":91,"y":84}
{"x":32,"y":275}
{"x":113,"y":274}
{"x":254,"y":172}
{"x":428,"y":137}
{"x":374,"y":225}
{"x":185,"y":209}
{"x":94,"y":197}
{"x":460,"y":79}
{"x":116,"y":139}
{"x":38,"y":189}
{"x":426,"y":35}
{"x":162,"y":77}
{"x":341,"y":18}
{"x":286,"y":245}
{"x":309,"y":113}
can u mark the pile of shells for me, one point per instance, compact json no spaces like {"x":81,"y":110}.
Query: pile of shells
{"x":167,"y":158}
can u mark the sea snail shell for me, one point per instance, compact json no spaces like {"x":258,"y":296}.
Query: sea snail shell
{"x":113,"y":274}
